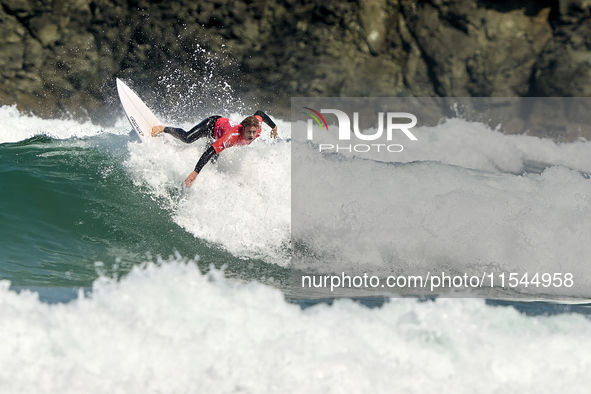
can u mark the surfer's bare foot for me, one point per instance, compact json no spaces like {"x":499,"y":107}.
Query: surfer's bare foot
{"x":157,"y":130}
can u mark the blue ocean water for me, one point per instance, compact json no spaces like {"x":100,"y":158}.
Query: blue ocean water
{"x":114,"y":278}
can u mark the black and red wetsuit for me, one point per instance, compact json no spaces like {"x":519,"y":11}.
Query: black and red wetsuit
{"x":223,"y":131}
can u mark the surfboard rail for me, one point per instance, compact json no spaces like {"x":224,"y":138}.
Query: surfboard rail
{"x":139,"y":115}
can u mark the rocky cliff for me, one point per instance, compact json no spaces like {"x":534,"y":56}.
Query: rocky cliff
{"x":61,"y":57}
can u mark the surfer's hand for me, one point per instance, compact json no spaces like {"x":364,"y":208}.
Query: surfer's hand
{"x":274,"y":132}
{"x":157,"y":130}
{"x":190,"y":179}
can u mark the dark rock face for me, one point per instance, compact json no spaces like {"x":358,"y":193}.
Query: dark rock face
{"x":61,"y":57}
{"x":564,"y":65}
{"x":479,"y":48}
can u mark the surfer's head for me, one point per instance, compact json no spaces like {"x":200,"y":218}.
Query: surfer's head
{"x":250,"y":127}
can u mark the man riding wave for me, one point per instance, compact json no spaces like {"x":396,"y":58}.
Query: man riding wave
{"x":224,"y":132}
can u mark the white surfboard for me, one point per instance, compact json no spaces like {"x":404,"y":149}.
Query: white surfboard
{"x":138,"y":113}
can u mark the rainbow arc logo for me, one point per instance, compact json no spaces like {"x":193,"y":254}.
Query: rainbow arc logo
{"x":316,"y":115}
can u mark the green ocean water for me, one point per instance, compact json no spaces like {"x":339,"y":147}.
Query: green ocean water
{"x":77,"y":208}
{"x":70,"y":212}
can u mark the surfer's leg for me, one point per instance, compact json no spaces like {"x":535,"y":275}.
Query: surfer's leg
{"x":203,"y":129}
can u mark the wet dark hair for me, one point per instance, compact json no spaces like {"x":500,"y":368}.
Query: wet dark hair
{"x":250,"y":121}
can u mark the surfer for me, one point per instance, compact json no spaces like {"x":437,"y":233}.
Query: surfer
{"x":223,"y":131}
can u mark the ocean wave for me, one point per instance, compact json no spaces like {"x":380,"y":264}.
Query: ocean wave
{"x":168,"y":328}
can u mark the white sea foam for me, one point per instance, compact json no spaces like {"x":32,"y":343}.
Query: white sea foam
{"x":417,"y":217}
{"x":471,"y":145}
{"x":242,"y":203}
{"x":16,"y":126}
{"x":171,"y":329}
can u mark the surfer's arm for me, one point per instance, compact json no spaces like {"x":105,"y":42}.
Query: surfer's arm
{"x":205,"y":158}
{"x":268,"y":122}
